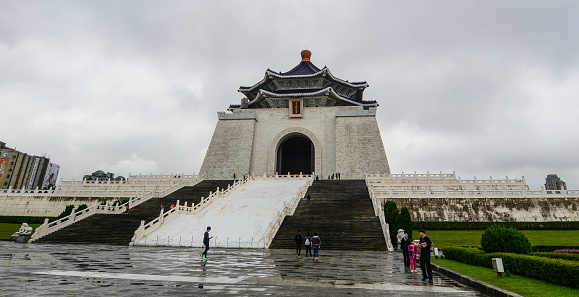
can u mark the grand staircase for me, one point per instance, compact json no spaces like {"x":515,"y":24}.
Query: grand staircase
{"x":119,"y":229}
{"x":342,"y":214}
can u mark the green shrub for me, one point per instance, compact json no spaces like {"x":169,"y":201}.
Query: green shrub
{"x":81,"y":207}
{"x":568,"y":257}
{"x":497,"y":238}
{"x":485,"y":225}
{"x":21,"y":219}
{"x":551,"y":248}
{"x":403,"y":221}
{"x":390,"y":215}
{"x":555,"y":271}
{"x":67,"y":211}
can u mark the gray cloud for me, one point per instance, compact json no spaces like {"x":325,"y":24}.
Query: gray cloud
{"x":483,"y":88}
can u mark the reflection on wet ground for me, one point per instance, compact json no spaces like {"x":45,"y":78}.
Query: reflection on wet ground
{"x":83,"y":270}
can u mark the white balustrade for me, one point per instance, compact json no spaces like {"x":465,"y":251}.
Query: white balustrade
{"x":146,"y":229}
{"x":142,"y":233}
{"x":48,"y":228}
{"x":379,"y":212}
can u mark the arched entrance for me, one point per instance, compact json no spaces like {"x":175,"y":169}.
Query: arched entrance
{"x":295,"y":154}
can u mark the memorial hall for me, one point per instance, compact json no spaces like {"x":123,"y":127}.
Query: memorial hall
{"x":302,"y":151}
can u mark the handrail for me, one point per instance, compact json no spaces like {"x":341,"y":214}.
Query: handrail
{"x":49,"y":228}
{"x":145,"y":229}
{"x":288,"y":210}
{"x":379,"y":212}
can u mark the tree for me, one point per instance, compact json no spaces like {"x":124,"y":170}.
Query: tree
{"x":391,"y":215}
{"x":403,"y":221}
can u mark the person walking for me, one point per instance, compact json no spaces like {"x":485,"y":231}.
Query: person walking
{"x":206,"y":239}
{"x":425,"y":244}
{"x":308,"y":244}
{"x":309,"y":197}
{"x":404,"y":247}
{"x":316,"y":243}
{"x":412,"y":253}
{"x":298,"y":239}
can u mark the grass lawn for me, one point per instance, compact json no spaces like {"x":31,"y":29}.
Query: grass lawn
{"x":517,"y":284}
{"x":7,"y":229}
{"x":472,"y":237}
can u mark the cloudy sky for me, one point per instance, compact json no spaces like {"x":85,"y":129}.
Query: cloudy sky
{"x":483,"y":88}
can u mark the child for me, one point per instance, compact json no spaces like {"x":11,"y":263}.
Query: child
{"x":412,"y":252}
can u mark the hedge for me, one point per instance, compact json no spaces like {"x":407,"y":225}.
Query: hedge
{"x":552,"y":248}
{"x":555,"y":271}
{"x":484,"y":225}
{"x":568,"y":257}
{"x":20,"y":220}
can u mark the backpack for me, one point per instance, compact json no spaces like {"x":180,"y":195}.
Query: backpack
{"x":307,"y":241}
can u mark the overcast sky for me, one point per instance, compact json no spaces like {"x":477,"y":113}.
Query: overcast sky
{"x":486,"y":88}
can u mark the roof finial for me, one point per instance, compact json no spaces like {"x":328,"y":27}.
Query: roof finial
{"x":306,"y":54}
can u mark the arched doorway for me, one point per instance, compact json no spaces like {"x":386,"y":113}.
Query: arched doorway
{"x":295,"y":154}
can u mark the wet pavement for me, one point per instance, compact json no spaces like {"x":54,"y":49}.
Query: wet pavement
{"x":89,"y":270}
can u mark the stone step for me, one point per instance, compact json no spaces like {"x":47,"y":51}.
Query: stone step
{"x":119,"y":229}
{"x":342,"y":214}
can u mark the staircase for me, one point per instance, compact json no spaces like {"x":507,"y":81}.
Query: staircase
{"x":342,"y":214}
{"x":119,"y":229}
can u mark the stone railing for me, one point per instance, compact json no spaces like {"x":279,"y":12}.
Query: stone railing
{"x":129,"y":189}
{"x":288,"y":210}
{"x":441,"y":180}
{"x":145,"y":229}
{"x":379,"y":212}
{"x":142,"y":233}
{"x":382,"y":192}
{"x":49,"y":228}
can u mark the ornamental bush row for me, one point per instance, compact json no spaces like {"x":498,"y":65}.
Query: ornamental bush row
{"x":551,"y":248}
{"x":484,"y":225}
{"x":555,"y":271}
{"x":21,"y":219}
{"x":568,"y":257}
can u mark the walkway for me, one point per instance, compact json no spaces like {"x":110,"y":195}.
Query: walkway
{"x":96,"y":270}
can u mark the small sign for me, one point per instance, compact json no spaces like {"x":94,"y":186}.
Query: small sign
{"x":296,"y":107}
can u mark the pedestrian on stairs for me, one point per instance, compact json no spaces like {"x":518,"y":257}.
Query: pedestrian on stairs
{"x":206,"y":239}
{"x":299,"y":238}
{"x":309,"y":197}
{"x":316,"y":243}
{"x":308,"y":244}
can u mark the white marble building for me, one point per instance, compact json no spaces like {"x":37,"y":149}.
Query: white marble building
{"x":322,"y":122}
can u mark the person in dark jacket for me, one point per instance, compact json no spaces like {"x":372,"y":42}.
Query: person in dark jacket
{"x":425,"y":244}
{"x":299,"y":238}
{"x":206,"y":239}
{"x":316,"y":243}
{"x":404,"y":247}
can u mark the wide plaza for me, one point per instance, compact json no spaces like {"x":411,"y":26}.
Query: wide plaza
{"x":102,"y":270}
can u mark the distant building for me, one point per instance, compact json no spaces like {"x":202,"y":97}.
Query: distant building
{"x":102,"y":176}
{"x":19,"y":170}
{"x":553,"y":182}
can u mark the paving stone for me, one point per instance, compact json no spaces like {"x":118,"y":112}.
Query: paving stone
{"x":97,"y":270}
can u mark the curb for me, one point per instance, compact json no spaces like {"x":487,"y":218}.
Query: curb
{"x":474,"y":283}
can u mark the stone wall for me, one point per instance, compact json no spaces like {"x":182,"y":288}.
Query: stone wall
{"x":359,"y":147}
{"x":230,"y":149}
{"x":42,"y":205}
{"x":544,"y":209}
{"x":345,"y":138}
